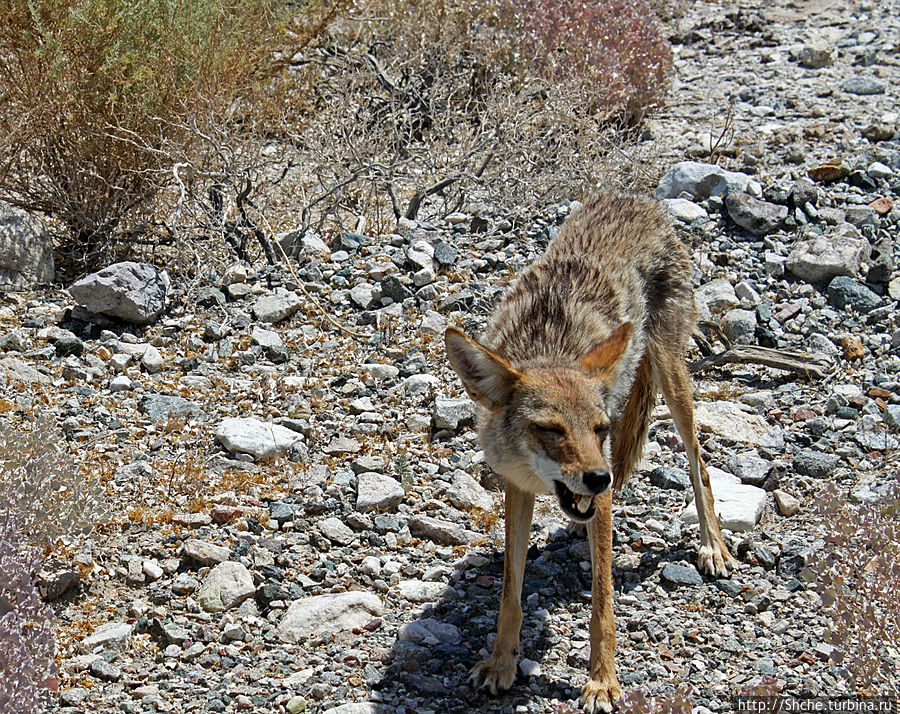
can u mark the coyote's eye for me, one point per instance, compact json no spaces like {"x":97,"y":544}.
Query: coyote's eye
{"x":552,"y":430}
{"x":602,"y":432}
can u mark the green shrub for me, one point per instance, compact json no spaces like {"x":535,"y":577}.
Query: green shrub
{"x":95,"y":90}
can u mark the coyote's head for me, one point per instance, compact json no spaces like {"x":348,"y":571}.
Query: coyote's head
{"x":545,"y":427}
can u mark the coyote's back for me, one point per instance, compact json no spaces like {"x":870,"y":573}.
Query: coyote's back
{"x":615,"y":260}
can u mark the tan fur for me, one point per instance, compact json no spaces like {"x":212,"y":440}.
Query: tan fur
{"x":565,"y":378}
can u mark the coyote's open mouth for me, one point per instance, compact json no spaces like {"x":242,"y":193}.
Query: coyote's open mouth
{"x":576,"y":506}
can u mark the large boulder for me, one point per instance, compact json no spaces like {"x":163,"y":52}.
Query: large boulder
{"x":26,"y":249}
{"x":134,"y":292}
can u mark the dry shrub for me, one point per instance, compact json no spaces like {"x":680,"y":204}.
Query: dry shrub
{"x":93,"y":90}
{"x":612,"y":51}
{"x":858,"y":575}
{"x":421,"y":109}
{"x":27,"y":643}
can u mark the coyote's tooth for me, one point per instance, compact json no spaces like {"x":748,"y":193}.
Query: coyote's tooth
{"x":584,"y":503}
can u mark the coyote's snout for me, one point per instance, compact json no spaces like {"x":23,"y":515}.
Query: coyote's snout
{"x":566,"y":376}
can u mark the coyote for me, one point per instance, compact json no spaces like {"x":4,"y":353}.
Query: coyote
{"x":564,"y":379}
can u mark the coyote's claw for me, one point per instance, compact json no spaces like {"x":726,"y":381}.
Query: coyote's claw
{"x":715,"y":560}
{"x":494,"y":674}
{"x":600,"y":695}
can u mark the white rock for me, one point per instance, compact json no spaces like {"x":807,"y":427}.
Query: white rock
{"x":820,"y":258}
{"x":332,"y":613}
{"x":377,"y":491}
{"x":265,"y":338}
{"x":120,"y":383}
{"x":205,"y":553}
{"x":466,"y":493}
{"x":370,"y":565}
{"x":738,"y":507}
{"x":152,"y":570}
{"x":717,"y":295}
{"x":276,"y":307}
{"x":449,"y":413}
{"x":381,"y":371}
{"x":360,"y":708}
{"x":420,"y":591}
{"x":787,"y":504}
{"x":112,"y":635}
{"x":730,"y":420}
{"x":365,"y":295}
{"x":684,"y":210}
{"x":13,"y":370}
{"x":225,"y":586}
{"x":699,"y":179}
{"x":252,"y":436}
{"x":433,"y":323}
{"x":314,"y":245}
{"x":152,"y":360}
{"x":429,"y":632}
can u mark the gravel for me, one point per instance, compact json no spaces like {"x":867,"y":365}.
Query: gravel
{"x":327,"y":490}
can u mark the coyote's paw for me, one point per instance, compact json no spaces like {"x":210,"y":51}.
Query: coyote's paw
{"x":599,"y":695}
{"x":715,"y":560}
{"x":494,"y":674}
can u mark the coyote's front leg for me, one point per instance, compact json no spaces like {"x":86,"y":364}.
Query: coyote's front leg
{"x":499,"y":671}
{"x":602,"y":689}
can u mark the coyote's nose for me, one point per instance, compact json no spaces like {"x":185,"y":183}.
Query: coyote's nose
{"x":596,"y":481}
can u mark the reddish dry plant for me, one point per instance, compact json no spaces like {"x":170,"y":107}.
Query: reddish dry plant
{"x":612,"y":49}
{"x":857,"y":580}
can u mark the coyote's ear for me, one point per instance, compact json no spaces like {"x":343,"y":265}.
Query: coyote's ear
{"x":601,"y":361}
{"x":487,"y":377}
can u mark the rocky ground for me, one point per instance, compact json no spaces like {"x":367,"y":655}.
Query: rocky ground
{"x":301,"y":516}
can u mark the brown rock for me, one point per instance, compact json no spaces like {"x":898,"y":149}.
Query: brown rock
{"x":853,"y":348}
{"x":882,"y":206}
{"x":829,"y":171}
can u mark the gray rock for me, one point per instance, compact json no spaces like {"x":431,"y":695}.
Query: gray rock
{"x":162,"y":406}
{"x":255,"y":437}
{"x":717,"y":295}
{"x":749,"y":467}
{"x":55,"y":578}
{"x":863,"y":85}
{"x":441,"y":531}
{"x":433,"y":323}
{"x":342,"y":445}
{"x":757,"y":217}
{"x":332,"y":613}
{"x":814,"y":463}
{"x":450,"y":413}
{"x":670,"y":478}
{"x":700,"y":180}
{"x":335,"y":530}
{"x":816,"y":53}
{"x":276,"y":307}
{"x":821,"y":344}
{"x":844,"y":290}
{"x":111,"y":636}
{"x":739,"y":326}
{"x":377,"y":491}
{"x":738,"y":506}
{"x":795,"y":555}
{"x":26,"y":249}
{"x":819,"y":258}
{"x":134,"y":292}
{"x":675,"y":574}
{"x":445,"y":254}
{"x":467,"y":494}
{"x":101,"y":669}
{"x":429,"y":632}
{"x":892,"y":415}
{"x":805,"y":192}
{"x":225,"y":586}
